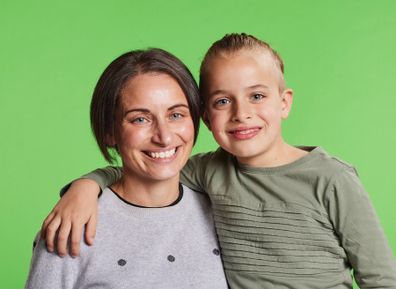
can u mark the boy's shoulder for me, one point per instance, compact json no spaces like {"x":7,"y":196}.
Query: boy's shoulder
{"x":318,"y":162}
{"x":331,"y":160}
{"x":320,"y":158}
{"x":326,"y":164}
{"x":219,"y":156}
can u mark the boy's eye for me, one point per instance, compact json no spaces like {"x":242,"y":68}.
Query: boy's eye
{"x":221,"y":101}
{"x":257,"y":97}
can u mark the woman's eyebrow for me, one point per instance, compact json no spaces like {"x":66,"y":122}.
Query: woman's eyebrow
{"x":145,"y":110}
{"x":178,"y":105}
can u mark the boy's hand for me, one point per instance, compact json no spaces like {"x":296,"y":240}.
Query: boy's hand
{"x":77,"y":207}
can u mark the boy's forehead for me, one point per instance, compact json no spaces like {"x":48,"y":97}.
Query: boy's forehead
{"x":243,"y":67}
{"x":260,"y":58}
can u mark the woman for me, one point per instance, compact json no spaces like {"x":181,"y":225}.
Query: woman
{"x":152,"y":231}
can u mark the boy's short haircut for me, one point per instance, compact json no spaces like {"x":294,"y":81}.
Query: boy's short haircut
{"x":235,"y":42}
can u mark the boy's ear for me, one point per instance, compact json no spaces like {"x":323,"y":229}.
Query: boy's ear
{"x":287,"y":101}
{"x":205,"y":118}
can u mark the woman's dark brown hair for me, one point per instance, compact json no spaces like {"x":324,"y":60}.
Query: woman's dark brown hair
{"x":110,"y":84}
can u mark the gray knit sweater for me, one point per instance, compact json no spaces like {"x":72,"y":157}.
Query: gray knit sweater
{"x":137,"y":248}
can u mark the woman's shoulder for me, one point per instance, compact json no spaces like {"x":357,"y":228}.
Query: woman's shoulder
{"x":196,"y":199}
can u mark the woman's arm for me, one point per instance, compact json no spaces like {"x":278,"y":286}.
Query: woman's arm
{"x":48,"y":271}
{"x":76,"y":209}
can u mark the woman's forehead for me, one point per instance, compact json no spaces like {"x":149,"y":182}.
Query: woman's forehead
{"x":150,"y":89}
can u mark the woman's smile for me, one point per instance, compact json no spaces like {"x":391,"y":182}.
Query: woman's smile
{"x":155,"y":131}
{"x":164,"y":154}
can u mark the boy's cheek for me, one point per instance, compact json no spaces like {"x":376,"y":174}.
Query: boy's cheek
{"x":215,"y":119}
{"x":205,"y":118}
{"x":214,"y":122}
{"x":220,"y":138}
{"x":220,"y":135}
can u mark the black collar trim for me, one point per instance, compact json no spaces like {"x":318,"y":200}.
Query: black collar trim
{"x":139,"y":206}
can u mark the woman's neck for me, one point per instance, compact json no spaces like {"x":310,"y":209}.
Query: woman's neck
{"x":147,"y":193}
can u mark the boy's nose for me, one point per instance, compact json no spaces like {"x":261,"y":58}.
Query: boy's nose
{"x":241,"y":112}
{"x":162,"y":134}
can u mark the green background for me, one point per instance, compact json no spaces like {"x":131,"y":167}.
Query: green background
{"x":340,"y":61}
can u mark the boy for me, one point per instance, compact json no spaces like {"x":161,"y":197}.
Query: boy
{"x":286,"y":217}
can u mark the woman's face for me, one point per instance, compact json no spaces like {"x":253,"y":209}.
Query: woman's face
{"x":154,"y":132}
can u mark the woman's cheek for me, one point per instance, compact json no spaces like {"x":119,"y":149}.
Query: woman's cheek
{"x":186,"y":130}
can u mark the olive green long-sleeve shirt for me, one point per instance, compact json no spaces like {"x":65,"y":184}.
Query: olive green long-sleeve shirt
{"x":307,"y":224}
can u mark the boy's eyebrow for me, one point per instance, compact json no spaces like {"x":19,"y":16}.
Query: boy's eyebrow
{"x":218,"y":91}
{"x":222,"y":91}
{"x":145,"y":110}
{"x":258,"y":86}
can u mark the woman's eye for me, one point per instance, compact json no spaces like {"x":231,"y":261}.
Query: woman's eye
{"x":257,"y":97}
{"x":176,"y":115}
{"x":222,"y":101}
{"x":139,"y":120}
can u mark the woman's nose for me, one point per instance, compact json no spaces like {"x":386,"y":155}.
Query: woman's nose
{"x":162,"y":134}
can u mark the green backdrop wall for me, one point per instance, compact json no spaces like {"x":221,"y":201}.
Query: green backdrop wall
{"x":340,"y":61}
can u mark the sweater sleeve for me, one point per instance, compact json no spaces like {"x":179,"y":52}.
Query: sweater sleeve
{"x":104,"y":177}
{"x":358,"y":227}
{"x":48,"y":270}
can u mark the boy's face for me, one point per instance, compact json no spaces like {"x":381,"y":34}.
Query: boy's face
{"x":245,"y":107}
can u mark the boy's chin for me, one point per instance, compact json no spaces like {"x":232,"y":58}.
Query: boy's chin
{"x":241,"y":153}
{"x":246,"y":155}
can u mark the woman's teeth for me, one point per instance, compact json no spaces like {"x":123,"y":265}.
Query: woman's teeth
{"x":162,"y":155}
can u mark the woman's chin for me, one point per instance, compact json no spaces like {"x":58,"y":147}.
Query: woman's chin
{"x":164,"y":175}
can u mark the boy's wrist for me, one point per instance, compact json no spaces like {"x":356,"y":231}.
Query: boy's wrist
{"x":87,"y":186}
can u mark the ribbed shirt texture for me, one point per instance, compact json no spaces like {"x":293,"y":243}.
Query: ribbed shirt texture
{"x":307,"y":224}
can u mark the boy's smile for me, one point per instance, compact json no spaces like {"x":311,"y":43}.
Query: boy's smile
{"x":245,"y":107}
{"x":244,"y":133}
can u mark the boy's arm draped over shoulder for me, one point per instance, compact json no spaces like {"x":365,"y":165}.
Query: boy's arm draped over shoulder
{"x":360,"y":232}
{"x":193,"y":173}
{"x":48,"y":270}
{"x":104,"y":177}
{"x":77,"y":208}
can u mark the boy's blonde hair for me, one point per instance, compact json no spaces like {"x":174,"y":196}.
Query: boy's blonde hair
{"x":235,"y":42}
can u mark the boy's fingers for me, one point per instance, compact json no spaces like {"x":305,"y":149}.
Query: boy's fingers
{"x":50,"y":232}
{"x":90,"y":230}
{"x":75,"y":240}
{"x":45,"y":224}
{"x":63,"y":237}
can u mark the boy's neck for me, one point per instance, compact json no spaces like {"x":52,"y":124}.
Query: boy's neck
{"x":278,"y":155}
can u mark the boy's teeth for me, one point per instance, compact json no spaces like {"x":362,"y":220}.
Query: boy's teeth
{"x":245,"y":131}
{"x":162,"y":155}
